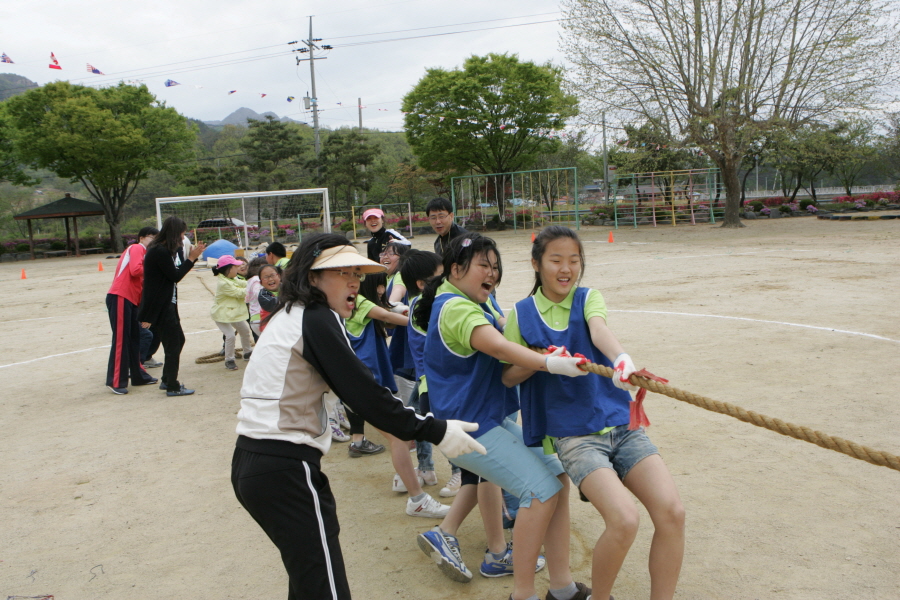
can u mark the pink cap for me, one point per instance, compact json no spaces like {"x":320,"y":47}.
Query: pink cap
{"x":373,"y":212}
{"x":226,"y":260}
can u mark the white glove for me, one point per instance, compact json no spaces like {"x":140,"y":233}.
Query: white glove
{"x":554,"y":351}
{"x":565,"y":365}
{"x":399,"y":308}
{"x":456,"y":441}
{"x":624,"y":367}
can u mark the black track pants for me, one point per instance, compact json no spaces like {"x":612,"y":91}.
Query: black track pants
{"x":292,"y":501}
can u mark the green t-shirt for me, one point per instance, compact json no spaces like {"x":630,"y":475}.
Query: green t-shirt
{"x":459,"y":319}
{"x":357,"y":323}
{"x":281,"y":263}
{"x":556,"y":315}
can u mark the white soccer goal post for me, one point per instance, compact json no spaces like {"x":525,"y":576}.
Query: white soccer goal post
{"x":248,"y":218}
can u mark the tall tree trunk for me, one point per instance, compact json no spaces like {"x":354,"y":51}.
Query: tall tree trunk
{"x":116,"y":236}
{"x":728,"y":170}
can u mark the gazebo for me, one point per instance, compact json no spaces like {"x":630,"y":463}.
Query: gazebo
{"x":63,"y":208}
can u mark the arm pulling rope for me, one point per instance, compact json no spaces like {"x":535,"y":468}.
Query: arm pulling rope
{"x":876,"y":457}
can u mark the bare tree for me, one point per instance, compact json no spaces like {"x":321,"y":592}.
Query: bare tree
{"x":725,"y":72}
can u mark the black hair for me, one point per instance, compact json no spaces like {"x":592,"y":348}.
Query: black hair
{"x":436,"y":204}
{"x":296,"y":288}
{"x":417,"y":265}
{"x":276,"y":248}
{"x":171,"y":235}
{"x":256,"y":266}
{"x":145,"y":231}
{"x":399,"y":248}
{"x":547,"y":235}
{"x":368,"y":288}
{"x":223,"y":270}
{"x":460,"y":252}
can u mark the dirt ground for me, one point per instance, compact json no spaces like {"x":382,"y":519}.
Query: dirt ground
{"x":108,"y":496}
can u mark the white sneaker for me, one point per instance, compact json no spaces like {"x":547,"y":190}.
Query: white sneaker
{"x":426,"y":477}
{"x":427,"y":507}
{"x":452,"y":487}
{"x":341,"y":415}
{"x":397,"y":485}
{"x":336,"y":434}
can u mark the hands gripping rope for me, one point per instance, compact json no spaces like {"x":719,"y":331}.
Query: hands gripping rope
{"x":647,"y":381}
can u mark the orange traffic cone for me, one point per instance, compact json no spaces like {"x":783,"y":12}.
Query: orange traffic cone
{"x":532,"y":237}
{"x":610,"y":237}
{"x":99,"y":266}
{"x":23,"y":274}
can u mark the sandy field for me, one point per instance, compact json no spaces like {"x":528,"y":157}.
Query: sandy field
{"x":113,"y":497}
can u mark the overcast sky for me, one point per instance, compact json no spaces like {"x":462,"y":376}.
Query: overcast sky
{"x":229,"y":45}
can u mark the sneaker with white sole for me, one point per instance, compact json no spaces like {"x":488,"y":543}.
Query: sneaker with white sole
{"x":397,"y":484}
{"x":152,"y":364}
{"x":427,"y":477}
{"x":364,"y":448}
{"x":427,"y":507}
{"x":336,"y":433}
{"x":452,"y":487}
{"x":443,"y":549}
{"x":493,"y":567}
{"x":341,"y":414}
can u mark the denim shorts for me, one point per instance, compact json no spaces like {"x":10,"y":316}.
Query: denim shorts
{"x":619,"y":449}
{"x":524,"y":472}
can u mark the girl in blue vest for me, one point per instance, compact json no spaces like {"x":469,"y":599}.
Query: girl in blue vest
{"x":463,"y":350}
{"x":588,"y":418}
{"x":367,"y":337}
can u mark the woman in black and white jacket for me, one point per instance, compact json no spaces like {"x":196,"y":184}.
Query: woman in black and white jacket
{"x":283,"y":422}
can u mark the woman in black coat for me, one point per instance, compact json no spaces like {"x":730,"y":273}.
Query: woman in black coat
{"x":164,"y":266}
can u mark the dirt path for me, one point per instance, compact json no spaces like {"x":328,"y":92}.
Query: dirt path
{"x":109,"y":496}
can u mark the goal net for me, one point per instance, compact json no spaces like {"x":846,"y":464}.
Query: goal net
{"x":249,"y":219}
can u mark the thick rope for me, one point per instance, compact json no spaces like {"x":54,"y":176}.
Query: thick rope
{"x":799,"y":432}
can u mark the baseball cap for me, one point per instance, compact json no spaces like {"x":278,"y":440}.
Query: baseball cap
{"x":373,"y":212}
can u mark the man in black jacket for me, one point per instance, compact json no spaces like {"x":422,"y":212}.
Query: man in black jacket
{"x":165,"y":266}
{"x":440,"y":215}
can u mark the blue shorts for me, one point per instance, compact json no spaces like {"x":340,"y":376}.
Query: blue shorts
{"x":619,"y":449}
{"x":524,"y":472}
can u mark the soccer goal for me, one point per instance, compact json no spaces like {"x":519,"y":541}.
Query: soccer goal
{"x":250,"y":218}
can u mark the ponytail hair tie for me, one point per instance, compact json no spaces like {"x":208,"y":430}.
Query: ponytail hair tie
{"x":467,"y":242}
{"x":316,"y":253}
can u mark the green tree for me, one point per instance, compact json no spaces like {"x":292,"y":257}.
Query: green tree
{"x":492,"y":116}
{"x":108,"y":139}
{"x":11,"y":169}
{"x":854,"y":148}
{"x":271,"y":147}
{"x":726,"y":71}
{"x":804,"y":154}
{"x":343,"y":158}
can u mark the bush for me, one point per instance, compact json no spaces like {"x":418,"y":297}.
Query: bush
{"x":805,"y":203}
{"x":757,"y":205}
{"x":57,"y":245}
{"x":22,"y":247}
{"x":403,"y":223}
{"x":347,"y":226}
{"x":784,"y":208}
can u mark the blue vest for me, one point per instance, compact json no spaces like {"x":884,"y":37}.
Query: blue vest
{"x":371,"y":349}
{"x":416,"y":342}
{"x":564,"y":406}
{"x":401,"y":358}
{"x":468,"y":388}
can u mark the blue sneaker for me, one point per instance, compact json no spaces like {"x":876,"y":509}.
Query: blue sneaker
{"x":492,"y":567}
{"x":443,"y":549}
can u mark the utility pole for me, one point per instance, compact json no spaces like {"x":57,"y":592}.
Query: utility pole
{"x":314,"y":102}
{"x":605,"y":160}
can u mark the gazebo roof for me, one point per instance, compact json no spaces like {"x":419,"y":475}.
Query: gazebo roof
{"x":65,"y":207}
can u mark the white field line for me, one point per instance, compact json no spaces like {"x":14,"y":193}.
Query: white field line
{"x":25,"y":362}
{"x":655,"y":258}
{"x":785,"y":323}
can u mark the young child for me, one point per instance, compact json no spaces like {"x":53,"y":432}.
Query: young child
{"x":251,"y":298}
{"x":463,"y":350}
{"x":417,"y":269}
{"x":270,"y":280}
{"x":228,"y":309}
{"x":367,"y":336}
{"x":589,"y":417}
{"x":401,"y":360}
